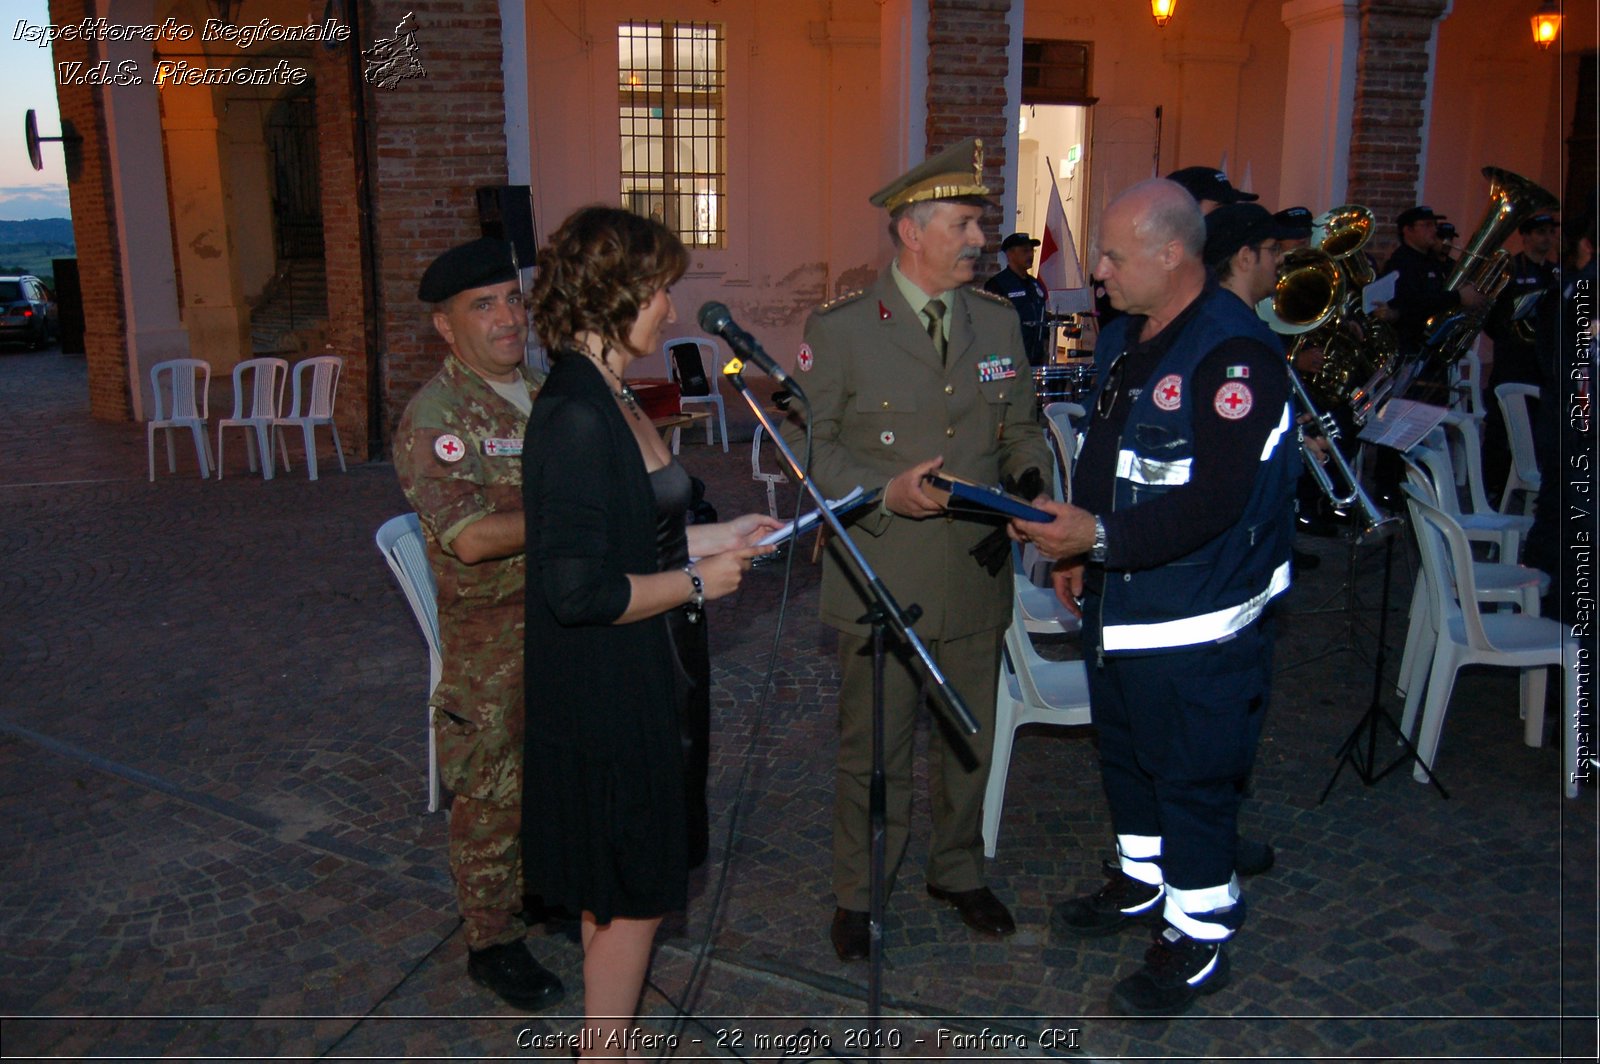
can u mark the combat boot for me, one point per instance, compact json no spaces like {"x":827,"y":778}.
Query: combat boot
{"x":511,"y":973}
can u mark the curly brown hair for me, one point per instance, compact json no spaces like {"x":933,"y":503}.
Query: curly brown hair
{"x":596,"y":273}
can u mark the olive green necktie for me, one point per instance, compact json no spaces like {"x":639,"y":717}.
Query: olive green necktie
{"x":935,"y":312}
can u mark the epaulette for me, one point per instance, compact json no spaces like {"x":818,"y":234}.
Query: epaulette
{"x":990,"y":296}
{"x":834,"y":304}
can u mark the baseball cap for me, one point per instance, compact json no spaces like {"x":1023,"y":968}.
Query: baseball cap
{"x":1208,"y":183}
{"x":1420,"y":213}
{"x":1539,"y":221}
{"x":1017,"y":240}
{"x":1233,"y":226}
{"x":1292,"y":223}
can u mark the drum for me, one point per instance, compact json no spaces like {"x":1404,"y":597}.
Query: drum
{"x":1053,"y":384}
{"x":1080,"y":377}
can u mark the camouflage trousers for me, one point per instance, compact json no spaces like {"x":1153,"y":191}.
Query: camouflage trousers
{"x":481,"y":763}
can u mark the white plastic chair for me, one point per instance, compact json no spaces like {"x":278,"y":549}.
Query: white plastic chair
{"x":1058,"y":419}
{"x":183,"y":404}
{"x":681,"y":369}
{"x":1482,"y":525}
{"x":1498,"y":582}
{"x":312,"y":405}
{"x":1465,"y":636}
{"x":267,"y":378}
{"x":1031,"y":690}
{"x":771,"y":480}
{"x":400,"y":542}
{"x":1524,"y":475}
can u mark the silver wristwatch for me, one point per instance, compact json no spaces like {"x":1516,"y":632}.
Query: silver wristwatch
{"x":1097,"y":553}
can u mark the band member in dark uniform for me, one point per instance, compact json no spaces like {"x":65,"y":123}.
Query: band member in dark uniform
{"x":1026,"y":293}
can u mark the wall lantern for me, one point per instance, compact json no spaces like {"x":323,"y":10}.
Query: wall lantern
{"x":1163,"y":9}
{"x":1546,"y":25}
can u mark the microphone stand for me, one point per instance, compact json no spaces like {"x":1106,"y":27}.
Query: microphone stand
{"x":884,"y":614}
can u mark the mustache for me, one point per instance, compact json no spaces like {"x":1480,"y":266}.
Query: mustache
{"x":972,"y":253}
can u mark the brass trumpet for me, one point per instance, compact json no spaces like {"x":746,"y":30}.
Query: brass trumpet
{"x":1309,"y":294}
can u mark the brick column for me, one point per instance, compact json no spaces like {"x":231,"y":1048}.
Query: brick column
{"x":94,"y":224}
{"x":435,"y":140}
{"x":967,"y":42}
{"x":343,"y":218}
{"x":1392,"y":78}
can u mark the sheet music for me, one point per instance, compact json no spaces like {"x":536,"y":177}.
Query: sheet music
{"x":1379,"y":291}
{"x":1401,"y":423}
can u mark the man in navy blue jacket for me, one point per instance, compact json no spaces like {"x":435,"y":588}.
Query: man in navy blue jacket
{"x":1178,"y":540}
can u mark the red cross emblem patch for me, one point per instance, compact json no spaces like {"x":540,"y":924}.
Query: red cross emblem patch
{"x":449,"y":448}
{"x":1169,"y":392}
{"x":1233,"y":400}
{"x":805,"y":359}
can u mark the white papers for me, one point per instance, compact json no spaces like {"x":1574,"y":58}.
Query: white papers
{"x":1400,"y":423}
{"x":795,"y":528}
{"x":1379,"y":291}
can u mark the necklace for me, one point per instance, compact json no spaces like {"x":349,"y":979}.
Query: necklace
{"x":624,"y":392}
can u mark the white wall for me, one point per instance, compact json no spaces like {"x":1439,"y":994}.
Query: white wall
{"x":803,"y":148}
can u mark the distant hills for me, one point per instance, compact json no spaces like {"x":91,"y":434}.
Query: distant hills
{"x":37,"y":231}
{"x":28,"y":246}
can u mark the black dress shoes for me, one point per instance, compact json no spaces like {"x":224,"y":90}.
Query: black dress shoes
{"x":511,"y":973}
{"x":979,"y":909}
{"x":850,"y":935}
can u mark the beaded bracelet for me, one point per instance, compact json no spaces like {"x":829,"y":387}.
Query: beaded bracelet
{"x":697,"y":599}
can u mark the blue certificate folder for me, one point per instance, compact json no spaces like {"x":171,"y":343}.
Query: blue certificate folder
{"x":844,"y":504}
{"x":966,"y":496}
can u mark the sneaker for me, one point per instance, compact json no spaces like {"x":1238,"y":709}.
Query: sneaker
{"x":511,"y":973}
{"x":1122,"y":901}
{"x":1177,"y":969}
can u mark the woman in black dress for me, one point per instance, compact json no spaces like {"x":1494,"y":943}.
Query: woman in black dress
{"x":605,"y":827}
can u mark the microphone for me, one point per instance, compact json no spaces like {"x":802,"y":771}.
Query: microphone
{"x":715,"y":319}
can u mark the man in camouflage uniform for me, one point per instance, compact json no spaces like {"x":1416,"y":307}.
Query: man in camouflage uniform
{"x":458,"y":455}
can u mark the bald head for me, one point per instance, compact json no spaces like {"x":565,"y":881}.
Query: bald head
{"x":1151,"y":238}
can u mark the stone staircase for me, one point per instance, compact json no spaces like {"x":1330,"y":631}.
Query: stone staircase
{"x":293,"y":310}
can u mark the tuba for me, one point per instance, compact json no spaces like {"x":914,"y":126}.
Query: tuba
{"x":1359,"y":353}
{"x":1309,"y":295}
{"x":1483,"y":263}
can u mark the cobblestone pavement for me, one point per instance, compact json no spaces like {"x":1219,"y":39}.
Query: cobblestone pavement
{"x":216,"y":844}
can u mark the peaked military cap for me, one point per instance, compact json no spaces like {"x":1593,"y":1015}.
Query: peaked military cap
{"x":953,"y":173}
{"x":475,"y":264}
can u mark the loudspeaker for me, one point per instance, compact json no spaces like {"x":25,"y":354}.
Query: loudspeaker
{"x":506,"y":211}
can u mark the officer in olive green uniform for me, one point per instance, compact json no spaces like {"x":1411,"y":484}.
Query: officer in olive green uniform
{"x":917,"y":370}
{"x":458,"y":454}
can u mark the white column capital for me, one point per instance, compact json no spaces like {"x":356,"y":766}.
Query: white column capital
{"x":1301,"y":13}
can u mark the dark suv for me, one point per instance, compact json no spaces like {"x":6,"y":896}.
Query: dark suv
{"x":27,"y":311}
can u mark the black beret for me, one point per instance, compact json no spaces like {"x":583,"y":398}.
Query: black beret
{"x":481,"y":262}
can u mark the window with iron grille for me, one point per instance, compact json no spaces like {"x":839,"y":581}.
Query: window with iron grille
{"x":1056,"y":71}
{"x":671,"y":84}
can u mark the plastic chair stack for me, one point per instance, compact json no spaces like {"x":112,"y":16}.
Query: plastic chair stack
{"x":182,"y":404}
{"x":1464,"y":635}
{"x":400,"y":541}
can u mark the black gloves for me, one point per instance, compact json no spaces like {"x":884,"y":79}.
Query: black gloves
{"x":994,"y":550}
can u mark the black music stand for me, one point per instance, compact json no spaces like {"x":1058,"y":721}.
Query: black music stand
{"x":1363,"y":761}
{"x":884,"y":614}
